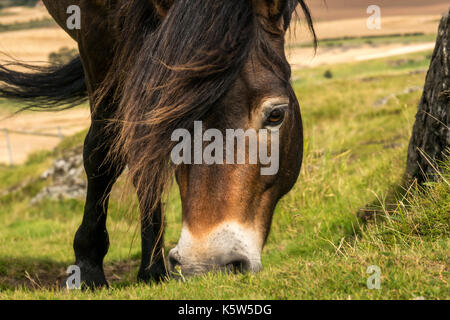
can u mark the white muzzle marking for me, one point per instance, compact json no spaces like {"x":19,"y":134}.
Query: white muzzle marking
{"x":228,"y":244}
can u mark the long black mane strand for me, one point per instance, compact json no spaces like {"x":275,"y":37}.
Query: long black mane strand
{"x":182,"y":69}
{"x":173,"y":73}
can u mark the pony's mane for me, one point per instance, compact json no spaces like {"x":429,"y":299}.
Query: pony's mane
{"x":167,"y":74}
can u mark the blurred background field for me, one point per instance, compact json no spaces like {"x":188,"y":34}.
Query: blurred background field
{"x":358,"y":96}
{"x":29,"y":34}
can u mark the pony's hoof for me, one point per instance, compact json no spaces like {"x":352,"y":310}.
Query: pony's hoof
{"x":90,"y":278}
{"x":153,"y":274}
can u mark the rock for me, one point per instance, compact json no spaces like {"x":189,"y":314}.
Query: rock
{"x":385,"y":100}
{"x":67,"y":176}
{"x":399,"y":62}
{"x":418,"y":71}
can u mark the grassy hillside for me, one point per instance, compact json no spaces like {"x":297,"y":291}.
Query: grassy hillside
{"x":355,"y":154}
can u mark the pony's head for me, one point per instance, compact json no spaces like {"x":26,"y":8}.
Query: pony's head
{"x":221,"y":63}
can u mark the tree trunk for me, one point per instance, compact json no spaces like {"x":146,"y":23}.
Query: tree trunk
{"x":429,"y":143}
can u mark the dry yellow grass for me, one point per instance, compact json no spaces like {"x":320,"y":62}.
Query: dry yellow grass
{"x":22,"y":14}
{"x":329,"y":10}
{"x":35,"y":44}
{"x":70,"y":122}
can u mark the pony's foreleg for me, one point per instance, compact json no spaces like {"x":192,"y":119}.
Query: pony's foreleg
{"x":152,"y":261}
{"x":91,"y":240}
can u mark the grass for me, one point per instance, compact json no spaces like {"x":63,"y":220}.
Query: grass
{"x":32,"y":24}
{"x":355,"y":154}
{"x":371,"y":40}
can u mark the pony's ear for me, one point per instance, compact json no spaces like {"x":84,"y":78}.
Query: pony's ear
{"x":162,"y":6}
{"x":276,"y":9}
{"x":271,"y":9}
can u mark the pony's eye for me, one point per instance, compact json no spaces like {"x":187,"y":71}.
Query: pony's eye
{"x":275,"y":117}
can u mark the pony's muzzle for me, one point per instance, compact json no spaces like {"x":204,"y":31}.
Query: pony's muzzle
{"x":228,"y":248}
{"x":231,"y":264}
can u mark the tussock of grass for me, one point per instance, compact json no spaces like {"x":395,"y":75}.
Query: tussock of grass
{"x":421,"y":214}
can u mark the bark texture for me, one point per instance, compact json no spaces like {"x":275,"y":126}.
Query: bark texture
{"x":429,"y":143}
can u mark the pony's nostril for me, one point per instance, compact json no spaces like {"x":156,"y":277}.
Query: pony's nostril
{"x":238,"y":266}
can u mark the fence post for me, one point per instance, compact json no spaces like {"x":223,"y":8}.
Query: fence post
{"x":8,"y":147}
{"x":60,"y":135}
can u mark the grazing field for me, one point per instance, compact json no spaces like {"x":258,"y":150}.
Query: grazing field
{"x":336,"y":19}
{"x":33,"y":45}
{"x":29,"y":34}
{"x":357,"y":120}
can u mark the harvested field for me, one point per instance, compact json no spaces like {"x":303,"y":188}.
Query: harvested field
{"x":350,"y":9}
{"x":22,"y":14}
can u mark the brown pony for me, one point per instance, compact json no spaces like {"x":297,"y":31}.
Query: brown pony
{"x":150,"y":67}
